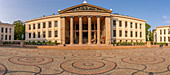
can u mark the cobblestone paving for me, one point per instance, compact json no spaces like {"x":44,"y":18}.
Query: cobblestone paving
{"x":25,"y":61}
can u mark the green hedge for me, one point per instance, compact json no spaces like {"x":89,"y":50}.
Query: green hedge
{"x":41,"y":43}
{"x":160,"y":43}
{"x":128,"y":43}
{"x":11,"y":43}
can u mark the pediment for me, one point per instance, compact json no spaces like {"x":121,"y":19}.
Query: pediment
{"x":85,"y":7}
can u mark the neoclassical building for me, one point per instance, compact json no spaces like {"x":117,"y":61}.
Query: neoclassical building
{"x":162,"y":34}
{"x":6,"y":32}
{"x":86,"y":24}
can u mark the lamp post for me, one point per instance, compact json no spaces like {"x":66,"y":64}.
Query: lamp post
{"x":22,"y":40}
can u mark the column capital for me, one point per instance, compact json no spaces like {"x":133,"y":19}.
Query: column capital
{"x":71,"y":16}
{"x":80,"y":16}
{"x":63,"y":17}
{"x":98,"y":16}
{"x":89,"y":16}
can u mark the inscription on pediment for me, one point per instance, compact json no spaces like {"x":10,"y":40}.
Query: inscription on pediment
{"x":84,"y":8}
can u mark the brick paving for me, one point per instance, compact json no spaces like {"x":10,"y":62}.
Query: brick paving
{"x":32,"y":61}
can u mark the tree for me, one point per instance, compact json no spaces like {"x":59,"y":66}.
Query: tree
{"x":147,"y":27}
{"x":19,"y":30}
{"x":151,"y":36}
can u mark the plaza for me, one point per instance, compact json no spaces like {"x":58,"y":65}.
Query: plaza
{"x":33,"y":61}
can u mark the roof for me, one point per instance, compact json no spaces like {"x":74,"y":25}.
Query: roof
{"x":85,"y":7}
{"x":6,"y":24}
{"x":163,"y":26}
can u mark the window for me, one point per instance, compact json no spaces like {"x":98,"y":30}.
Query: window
{"x":114,"y":33}
{"x":56,"y":23}
{"x":131,"y":25}
{"x":120,"y":40}
{"x":9,"y":37}
{"x":56,"y":33}
{"x":136,"y":34}
{"x":136,"y":25}
{"x":120,"y":23}
{"x":169,"y":31}
{"x":5,"y":37}
{"x":2,"y":37}
{"x":160,"y":39}
{"x":44,"y":34}
{"x":49,"y":34}
{"x":126,"y":33}
{"x":29,"y":27}
{"x":114,"y":23}
{"x":38,"y":34}
{"x":6,"y":30}
{"x":169,"y":39}
{"x":38,"y":25}
{"x":49,"y":25}
{"x":164,"y":39}
{"x":34,"y":35}
{"x":160,"y":32}
{"x":140,"y":26}
{"x":126,"y":24}
{"x":141,"y":34}
{"x":29,"y":35}
{"x":120,"y":33}
{"x":33,"y":26}
{"x":44,"y":24}
{"x":9,"y":30}
{"x":164,"y":31}
{"x":2,"y":30}
{"x":131,"y":33}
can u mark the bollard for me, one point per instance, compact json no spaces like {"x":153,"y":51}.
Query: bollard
{"x":150,"y":73}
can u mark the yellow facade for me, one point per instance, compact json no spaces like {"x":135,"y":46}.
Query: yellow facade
{"x":85,"y":24}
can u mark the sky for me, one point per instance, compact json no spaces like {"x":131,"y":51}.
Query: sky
{"x":156,"y":12}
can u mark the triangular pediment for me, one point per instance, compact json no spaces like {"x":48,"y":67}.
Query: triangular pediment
{"x":85,"y":7}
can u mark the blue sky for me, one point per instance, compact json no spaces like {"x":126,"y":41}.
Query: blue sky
{"x":156,"y":12}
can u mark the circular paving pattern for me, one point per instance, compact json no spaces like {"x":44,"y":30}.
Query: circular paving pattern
{"x":30,"y":60}
{"x":7,"y":54}
{"x":143,"y":60}
{"x":90,"y":55}
{"x":116,"y":53}
{"x":2,"y":69}
{"x":88,"y":66}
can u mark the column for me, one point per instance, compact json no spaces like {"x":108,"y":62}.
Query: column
{"x":95,"y":32}
{"x":89,"y":29}
{"x":98,"y":29}
{"x":71,"y":30}
{"x":108,"y":30}
{"x":80,"y":30}
{"x":63,"y":30}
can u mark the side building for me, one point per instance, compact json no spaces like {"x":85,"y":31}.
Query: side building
{"x":162,"y":34}
{"x":6,"y":32}
{"x":85,"y":24}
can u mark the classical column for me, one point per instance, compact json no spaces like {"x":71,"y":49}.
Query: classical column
{"x":71,"y":30}
{"x":108,"y":30}
{"x":89,"y":29}
{"x":80,"y":29}
{"x":63,"y":30}
{"x":98,"y":29}
{"x":95,"y":32}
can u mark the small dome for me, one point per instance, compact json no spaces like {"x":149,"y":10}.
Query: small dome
{"x":84,"y":1}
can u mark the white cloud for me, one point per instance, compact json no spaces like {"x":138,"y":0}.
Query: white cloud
{"x":165,"y":17}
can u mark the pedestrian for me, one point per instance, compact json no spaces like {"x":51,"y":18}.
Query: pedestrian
{"x":161,"y":46}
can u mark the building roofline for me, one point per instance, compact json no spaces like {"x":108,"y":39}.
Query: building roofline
{"x":6,"y":24}
{"x":128,"y":17}
{"x":163,"y":26}
{"x":44,"y":17}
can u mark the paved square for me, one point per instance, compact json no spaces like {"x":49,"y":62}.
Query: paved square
{"x":25,"y":61}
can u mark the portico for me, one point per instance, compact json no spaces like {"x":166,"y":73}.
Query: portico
{"x":84,"y":30}
{"x":85,"y":24}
